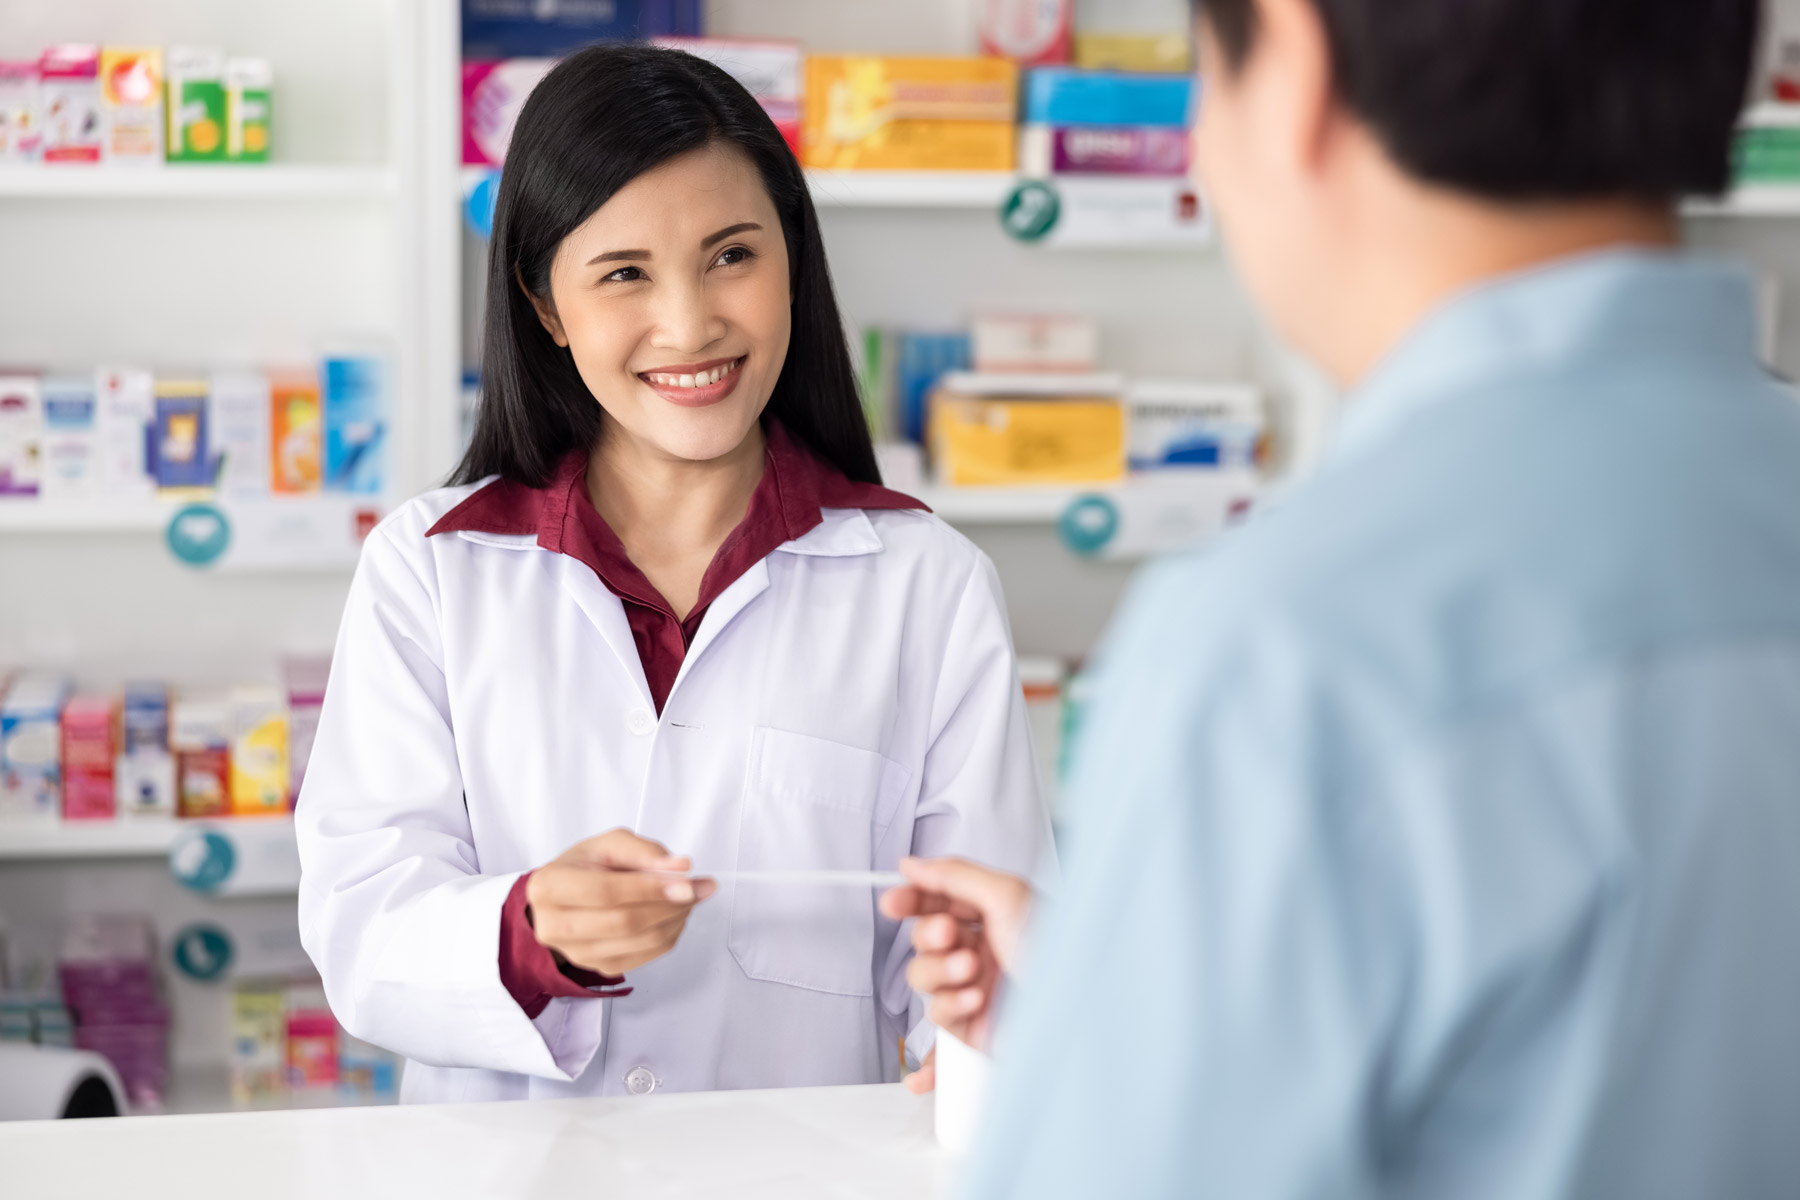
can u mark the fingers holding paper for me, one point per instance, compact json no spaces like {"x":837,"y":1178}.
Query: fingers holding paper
{"x":600,"y":906}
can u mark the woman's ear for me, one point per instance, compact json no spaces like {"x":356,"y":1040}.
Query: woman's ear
{"x":546,"y":312}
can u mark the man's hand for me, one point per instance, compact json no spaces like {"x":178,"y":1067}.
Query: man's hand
{"x":594,"y":909}
{"x":971,"y":921}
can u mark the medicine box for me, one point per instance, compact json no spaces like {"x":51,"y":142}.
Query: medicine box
{"x":200,"y":730}
{"x":144,"y":781}
{"x":1023,"y":343}
{"x":21,"y":122}
{"x":295,"y":433}
{"x":773,"y":72}
{"x":1030,"y":32}
{"x":196,"y":104}
{"x":259,"y":752}
{"x":180,"y":441}
{"x":304,"y":680}
{"x":890,"y":113}
{"x":355,"y":405}
{"x":69,"y":98}
{"x":1193,"y":424}
{"x":88,"y":758}
{"x":131,"y":93}
{"x":248,"y":84}
{"x":1134,"y":35}
{"x":125,"y":409}
{"x":1103,"y":150}
{"x":240,"y":428}
{"x":1064,"y":96}
{"x":69,"y":466}
{"x":31,"y":747}
{"x":493,"y":93}
{"x":21,"y":433}
{"x":258,"y":1039}
{"x":1043,"y":430}
{"x":921,"y":360}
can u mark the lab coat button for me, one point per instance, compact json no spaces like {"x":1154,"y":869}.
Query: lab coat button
{"x":640,"y":1082}
{"x":641,"y":721}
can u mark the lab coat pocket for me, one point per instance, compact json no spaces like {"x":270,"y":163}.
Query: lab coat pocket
{"x":811,"y":804}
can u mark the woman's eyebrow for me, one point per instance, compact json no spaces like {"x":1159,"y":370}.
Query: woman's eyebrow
{"x":742,"y":227}
{"x":620,"y":256}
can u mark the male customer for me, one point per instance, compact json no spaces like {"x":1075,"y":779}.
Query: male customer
{"x":1438,"y":833}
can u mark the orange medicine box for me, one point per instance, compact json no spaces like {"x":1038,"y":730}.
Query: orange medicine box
{"x":1044,"y":430}
{"x":88,"y":744}
{"x":911,"y":114}
{"x":296,"y":427}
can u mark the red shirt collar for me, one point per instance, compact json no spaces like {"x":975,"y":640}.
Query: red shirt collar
{"x":795,"y":486}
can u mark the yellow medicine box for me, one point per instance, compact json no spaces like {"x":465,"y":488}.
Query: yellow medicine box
{"x":910,"y":114}
{"x":988,"y":441}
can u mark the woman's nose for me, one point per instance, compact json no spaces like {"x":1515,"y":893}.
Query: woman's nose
{"x":685,"y":319}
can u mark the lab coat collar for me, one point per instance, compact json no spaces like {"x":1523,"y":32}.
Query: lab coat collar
{"x":1627,"y":303}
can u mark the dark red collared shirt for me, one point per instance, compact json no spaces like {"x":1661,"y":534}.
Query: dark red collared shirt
{"x":795,"y":486}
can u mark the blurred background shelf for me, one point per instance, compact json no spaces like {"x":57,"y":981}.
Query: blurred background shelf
{"x":87,"y":839}
{"x":271,"y":182}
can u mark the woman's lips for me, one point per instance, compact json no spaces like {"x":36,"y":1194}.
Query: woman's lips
{"x":669,"y":384}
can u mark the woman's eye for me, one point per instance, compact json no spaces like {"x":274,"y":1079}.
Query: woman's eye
{"x":735,"y":255}
{"x":625,"y":275}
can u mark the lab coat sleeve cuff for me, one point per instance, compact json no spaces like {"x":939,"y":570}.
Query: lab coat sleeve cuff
{"x":530,"y":972}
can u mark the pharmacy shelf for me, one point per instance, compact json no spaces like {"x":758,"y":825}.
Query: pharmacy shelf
{"x":878,"y":189}
{"x":274,"y":181}
{"x":1003,"y":505}
{"x":1758,"y":200}
{"x":22,"y":514}
{"x":87,"y":839}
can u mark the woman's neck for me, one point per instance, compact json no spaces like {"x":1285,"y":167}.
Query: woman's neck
{"x":672,"y":514}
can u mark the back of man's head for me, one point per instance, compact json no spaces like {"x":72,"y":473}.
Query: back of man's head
{"x":1538,"y":99}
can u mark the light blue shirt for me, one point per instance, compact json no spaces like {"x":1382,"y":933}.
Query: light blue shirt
{"x":1438,"y":833}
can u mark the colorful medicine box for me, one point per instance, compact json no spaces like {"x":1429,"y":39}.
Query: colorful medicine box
{"x":124,"y":411}
{"x":259,"y":753}
{"x":884,"y":113}
{"x":258,"y":1040}
{"x":182,"y":449}
{"x":21,"y":122}
{"x":144,"y":780}
{"x":1062,"y":96}
{"x":1169,"y":52}
{"x":239,"y":426}
{"x":248,"y":84}
{"x":1193,"y":424}
{"x":355,"y":424}
{"x":296,"y":427}
{"x":31,"y":747}
{"x":69,"y":466}
{"x":88,"y":734}
{"x":1103,"y":150}
{"x":200,"y":736}
{"x":21,"y":433}
{"x":493,"y":93}
{"x":773,"y":72}
{"x":1030,"y":32}
{"x":131,"y":93}
{"x":992,"y":430}
{"x":1023,"y":343}
{"x":69,"y":98}
{"x":196,"y":105}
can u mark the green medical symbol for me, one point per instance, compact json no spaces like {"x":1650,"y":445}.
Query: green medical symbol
{"x":202,"y":860}
{"x":1088,"y":524}
{"x":198,"y":534}
{"x":1030,"y":211}
{"x":202,"y":952}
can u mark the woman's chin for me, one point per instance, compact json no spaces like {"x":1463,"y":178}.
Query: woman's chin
{"x":699,"y":435}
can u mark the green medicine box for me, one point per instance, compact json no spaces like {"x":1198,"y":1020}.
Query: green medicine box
{"x":196,"y":105}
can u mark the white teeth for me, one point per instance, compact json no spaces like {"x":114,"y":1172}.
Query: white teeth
{"x":701,"y":379}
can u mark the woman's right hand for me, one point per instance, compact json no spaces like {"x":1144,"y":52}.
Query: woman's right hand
{"x":595,"y":909}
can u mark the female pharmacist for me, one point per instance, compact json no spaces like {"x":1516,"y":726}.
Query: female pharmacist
{"x":665,"y":608}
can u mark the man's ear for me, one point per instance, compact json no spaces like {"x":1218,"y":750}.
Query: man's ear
{"x":546,"y":312}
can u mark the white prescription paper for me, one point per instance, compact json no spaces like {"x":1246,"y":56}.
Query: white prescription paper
{"x":873,"y":879}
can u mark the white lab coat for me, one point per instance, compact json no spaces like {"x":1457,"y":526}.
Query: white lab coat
{"x":850,"y":699}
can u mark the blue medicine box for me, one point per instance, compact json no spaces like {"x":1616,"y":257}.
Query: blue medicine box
{"x":1065,"y":96}
{"x":356,"y":417}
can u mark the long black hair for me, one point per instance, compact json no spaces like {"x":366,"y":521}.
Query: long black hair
{"x":601,"y":118}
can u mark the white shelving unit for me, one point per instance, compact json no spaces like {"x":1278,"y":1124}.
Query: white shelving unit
{"x":147,"y":838}
{"x":195,"y":182}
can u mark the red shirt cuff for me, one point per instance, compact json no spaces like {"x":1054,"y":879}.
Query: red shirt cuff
{"x":531,"y":974}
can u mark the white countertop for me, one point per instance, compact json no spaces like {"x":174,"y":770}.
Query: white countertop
{"x":848,"y":1143}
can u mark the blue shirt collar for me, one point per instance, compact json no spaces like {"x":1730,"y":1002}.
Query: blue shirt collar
{"x":1630,"y":303}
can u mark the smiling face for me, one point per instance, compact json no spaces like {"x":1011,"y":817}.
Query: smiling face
{"x":673,"y":298}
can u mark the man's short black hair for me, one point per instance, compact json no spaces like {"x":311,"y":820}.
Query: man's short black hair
{"x":1538,"y":99}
